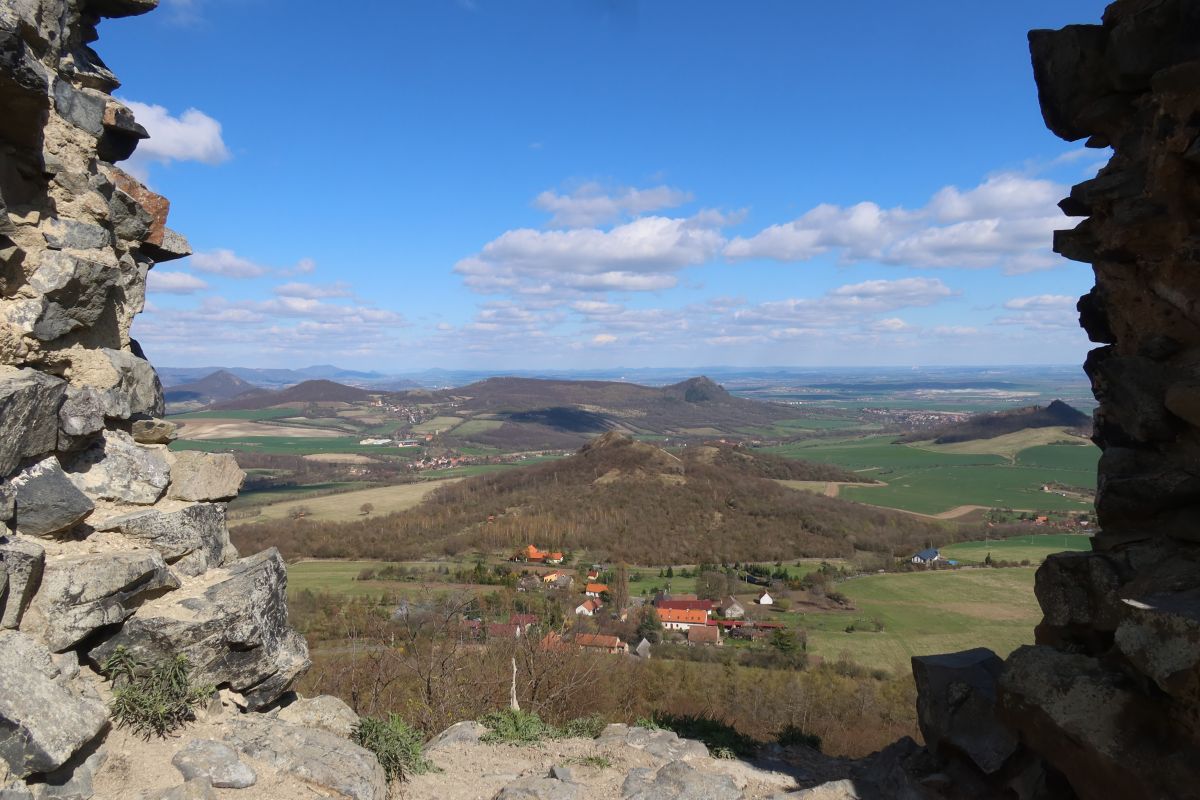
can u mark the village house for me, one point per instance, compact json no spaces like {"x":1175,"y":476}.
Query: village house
{"x":602,"y":642}
{"x":927,"y":556}
{"x":684,"y":605}
{"x":500,"y":630}
{"x":551,"y":577}
{"x":523,"y":621}
{"x":765,"y":599}
{"x":732,"y":609}
{"x":595,"y":589}
{"x":643,"y":649}
{"x":681,"y":619}
{"x":587,"y":608}
{"x":704,"y":635}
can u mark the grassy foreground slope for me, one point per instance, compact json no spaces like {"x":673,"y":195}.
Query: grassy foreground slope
{"x":927,"y":612}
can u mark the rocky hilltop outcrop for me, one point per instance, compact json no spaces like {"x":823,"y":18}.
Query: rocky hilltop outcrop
{"x":107,"y":539}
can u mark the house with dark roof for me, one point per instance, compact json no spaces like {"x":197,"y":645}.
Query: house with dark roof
{"x":927,"y":556}
{"x":602,"y":642}
{"x":732,"y":609}
{"x":704,"y":635}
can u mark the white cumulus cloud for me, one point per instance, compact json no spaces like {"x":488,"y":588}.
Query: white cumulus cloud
{"x":1007,"y":221}
{"x":590,"y":204}
{"x":191,"y":136}
{"x":166,"y":282}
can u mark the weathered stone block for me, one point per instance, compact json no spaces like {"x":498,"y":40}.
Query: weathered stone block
{"x":47,"y":503}
{"x":192,"y":539}
{"x":42,"y":722}
{"x":80,"y":416}
{"x":956,"y":697}
{"x":232,"y":626}
{"x":117,"y":468}
{"x":22,"y":560}
{"x":314,"y":756}
{"x":29,"y":402}
{"x":204,"y":476}
{"x":81,"y":594}
{"x":154,"y":431}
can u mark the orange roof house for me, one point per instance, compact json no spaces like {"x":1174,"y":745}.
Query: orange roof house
{"x":599,"y":641}
{"x":595,"y":589}
{"x":554,"y":558}
{"x":680,"y":619}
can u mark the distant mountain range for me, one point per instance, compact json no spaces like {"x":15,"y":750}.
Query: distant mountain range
{"x":528,"y":413}
{"x":175,"y":377}
{"x":988,"y":426}
{"x":318,"y":391}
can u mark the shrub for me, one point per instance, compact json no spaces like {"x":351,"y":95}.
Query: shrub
{"x":792,"y":735}
{"x":515,"y":727}
{"x":152,"y":701}
{"x":520,"y":727}
{"x":583,"y":728}
{"x":722,"y":739}
{"x":395,"y":743}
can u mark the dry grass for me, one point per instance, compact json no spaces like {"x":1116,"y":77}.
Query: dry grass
{"x":348,"y":505}
{"x":208,"y":429}
{"x":1007,"y":445}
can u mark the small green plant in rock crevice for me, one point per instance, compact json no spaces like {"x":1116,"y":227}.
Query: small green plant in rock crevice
{"x":395,"y":743}
{"x":509,"y":726}
{"x":152,"y":700}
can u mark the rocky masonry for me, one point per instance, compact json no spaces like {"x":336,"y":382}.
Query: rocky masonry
{"x":108,"y":539}
{"x":1107,"y":703}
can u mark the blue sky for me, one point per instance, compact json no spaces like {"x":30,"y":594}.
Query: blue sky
{"x":503,"y":184}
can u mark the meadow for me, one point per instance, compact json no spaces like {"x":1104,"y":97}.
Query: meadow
{"x":1033,"y":548}
{"x":939,"y":611}
{"x":345,"y":505}
{"x":294,"y":446}
{"x":938,"y":478}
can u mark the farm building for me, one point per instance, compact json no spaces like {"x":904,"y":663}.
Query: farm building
{"x":599,"y":641}
{"x":765,"y":599}
{"x":680,"y":620}
{"x":927,"y":556}
{"x":500,"y":630}
{"x":732,"y":609}
{"x":684,"y":605}
{"x":587,"y":608}
{"x":704,"y":635}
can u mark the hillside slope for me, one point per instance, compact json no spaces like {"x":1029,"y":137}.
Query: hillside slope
{"x":317,"y":391}
{"x":619,"y":498}
{"x":214,"y":388}
{"x":536,"y":413}
{"x":988,"y":426}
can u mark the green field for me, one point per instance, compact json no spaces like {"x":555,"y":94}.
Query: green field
{"x":927,"y":612}
{"x":338,"y":577}
{"x":251,"y":414}
{"x":1033,"y":548}
{"x":930,"y":482}
{"x":293,"y":446}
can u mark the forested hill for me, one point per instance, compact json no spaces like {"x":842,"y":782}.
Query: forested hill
{"x":622,"y":499}
{"x":988,"y":426}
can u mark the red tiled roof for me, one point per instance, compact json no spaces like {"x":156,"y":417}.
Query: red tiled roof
{"x":597,"y":640}
{"x":502,"y":631}
{"x":685,"y":605}
{"x":523,"y":619}
{"x":704,"y":634}
{"x":683,"y":616}
{"x":596,"y":588}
